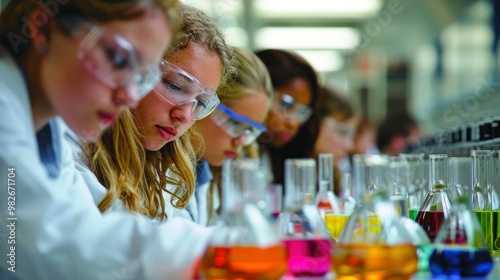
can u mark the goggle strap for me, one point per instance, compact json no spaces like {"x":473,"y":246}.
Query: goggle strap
{"x":241,"y":118}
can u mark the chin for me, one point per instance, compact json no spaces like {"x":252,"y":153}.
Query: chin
{"x":88,"y":135}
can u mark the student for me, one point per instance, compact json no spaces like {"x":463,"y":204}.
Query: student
{"x":144,"y":164}
{"x":290,"y":122}
{"x":396,"y":133}
{"x":84,"y":61}
{"x":337,"y":126}
{"x":246,"y":99}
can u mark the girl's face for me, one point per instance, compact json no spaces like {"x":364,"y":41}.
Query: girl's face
{"x":159,"y":120}
{"x":219,"y":145}
{"x":89,"y":84}
{"x":89,"y":100}
{"x":335,"y":137}
{"x":290,"y":110}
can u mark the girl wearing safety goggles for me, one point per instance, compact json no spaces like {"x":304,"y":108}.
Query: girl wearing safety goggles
{"x":81,"y":62}
{"x":291,"y":119}
{"x":337,"y":127}
{"x":246,"y":99}
{"x":145,"y":163}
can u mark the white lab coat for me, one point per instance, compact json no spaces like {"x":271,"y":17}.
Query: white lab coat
{"x":197,"y":208}
{"x":59,"y":233}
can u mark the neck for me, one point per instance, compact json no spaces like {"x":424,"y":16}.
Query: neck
{"x":41,"y":108}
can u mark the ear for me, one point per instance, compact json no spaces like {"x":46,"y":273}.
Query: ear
{"x":39,"y":30}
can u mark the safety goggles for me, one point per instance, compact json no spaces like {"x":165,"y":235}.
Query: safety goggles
{"x":286,"y":106}
{"x":342,"y":130}
{"x":110,"y":58}
{"x":180,"y":88}
{"x":236,"y":125}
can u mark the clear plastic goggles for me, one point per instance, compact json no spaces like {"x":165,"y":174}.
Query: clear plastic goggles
{"x":110,"y":58}
{"x":236,"y":125}
{"x":286,"y":106}
{"x":180,"y":88}
{"x":342,"y":130}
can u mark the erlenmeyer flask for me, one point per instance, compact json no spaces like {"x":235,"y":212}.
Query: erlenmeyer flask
{"x":436,"y":205}
{"x":420,"y":240}
{"x":374,"y":250}
{"x":482,"y":194}
{"x":347,"y":201}
{"x":397,"y":175}
{"x":460,"y":250}
{"x":244,"y":244}
{"x":369,"y":172}
{"x":326,"y":200}
{"x":335,"y":221}
{"x":304,"y":233}
{"x":414,"y":182}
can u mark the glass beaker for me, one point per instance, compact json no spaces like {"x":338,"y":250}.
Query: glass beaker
{"x":304,"y":233}
{"x":244,"y":245}
{"x":326,"y":200}
{"x":460,"y":250}
{"x":374,"y":244}
{"x":436,"y":205}
{"x":415,"y":182}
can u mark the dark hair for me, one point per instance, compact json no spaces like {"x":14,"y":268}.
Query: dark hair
{"x":283,"y":67}
{"x":399,"y":124}
{"x":333,"y":103}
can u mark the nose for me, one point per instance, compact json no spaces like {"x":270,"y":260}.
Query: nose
{"x":240,"y":141}
{"x":182,"y":113}
{"x":126,"y":95}
{"x":349,"y":144}
{"x":291,"y":122}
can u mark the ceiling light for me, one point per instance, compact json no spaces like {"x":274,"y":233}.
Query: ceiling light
{"x":340,"y":38}
{"x":317,"y":8}
{"x":323,"y":61}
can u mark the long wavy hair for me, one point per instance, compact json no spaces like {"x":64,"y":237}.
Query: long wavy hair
{"x":252,"y":77}
{"x":140,"y":177}
{"x":15,"y":16}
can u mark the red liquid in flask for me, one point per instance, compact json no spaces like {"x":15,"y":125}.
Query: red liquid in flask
{"x":430,"y":221}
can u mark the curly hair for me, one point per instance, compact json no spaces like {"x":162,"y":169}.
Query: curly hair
{"x":140,"y":177}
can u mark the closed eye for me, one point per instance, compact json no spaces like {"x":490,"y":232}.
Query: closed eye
{"x":170,"y":86}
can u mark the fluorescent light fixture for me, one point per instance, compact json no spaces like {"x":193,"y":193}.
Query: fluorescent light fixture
{"x":317,"y":8}
{"x":323,"y":61}
{"x":340,"y":38}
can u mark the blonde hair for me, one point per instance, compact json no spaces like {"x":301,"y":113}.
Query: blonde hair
{"x":252,"y":77}
{"x":139,"y":177}
{"x":15,"y":16}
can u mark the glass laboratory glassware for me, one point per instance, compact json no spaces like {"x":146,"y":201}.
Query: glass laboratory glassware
{"x":326,"y":200}
{"x":460,"y":250}
{"x":244,"y":245}
{"x":374,"y":244}
{"x":485,"y":181}
{"x":420,"y":240}
{"x":415,"y":182}
{"x":335,"y":221}
{"x":304,"y":233}
{"x":369,"y":172}
{"x":397,"y":184}
{"x":436,"y":205}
